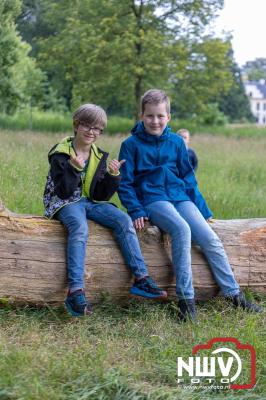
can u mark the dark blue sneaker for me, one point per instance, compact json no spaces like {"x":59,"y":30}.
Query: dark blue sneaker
{"x":187,"y":311}
{"x":77,"y":304}
{"x":146,"y":287}
{"x":240,"y":300}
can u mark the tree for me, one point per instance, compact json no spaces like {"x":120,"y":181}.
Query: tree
{"x":201,"y":73}
{"x":20,"y":79}
{"x":31,"y":24}
{"x":110,"y":51}
{"x":28,"y":78}
{"x":235,"y":103}
{"x":255,"y":70}
{"x":9,"y":44}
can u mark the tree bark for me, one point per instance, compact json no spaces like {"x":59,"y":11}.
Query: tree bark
{"x":33,"y":262}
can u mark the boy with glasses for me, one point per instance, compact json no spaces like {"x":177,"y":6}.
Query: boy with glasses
{"x":79,"y":184}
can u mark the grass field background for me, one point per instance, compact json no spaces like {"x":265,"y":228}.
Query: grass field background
{"x":53,"y":122}
{"x":231,"y":175}
{"x":126,"y":351}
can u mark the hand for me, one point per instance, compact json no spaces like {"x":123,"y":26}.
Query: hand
{"x":139,"y":223}
{"x":115,"y":165}
{"x":77,"y":162}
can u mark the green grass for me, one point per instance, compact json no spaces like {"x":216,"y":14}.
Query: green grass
{"x":229,"y":130}
{"x":231,"y":175}
{"x":37,"y":121}
{"x":121,"y":352}
{"x":53,"y":122}
{"x":125,"y":351}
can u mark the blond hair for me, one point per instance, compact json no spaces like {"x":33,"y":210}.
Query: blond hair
{"x":91,"y":115}
{"x":181,"y":131}
{"x":155,"y":96}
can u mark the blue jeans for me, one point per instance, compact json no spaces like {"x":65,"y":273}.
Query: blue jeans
{"x":184,"y":222}
{"x":74,"y":217}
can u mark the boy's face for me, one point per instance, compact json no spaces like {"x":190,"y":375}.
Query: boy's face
{"x":86,"y":134}
{"x":185,"y":136}
{"x":155,"y":118}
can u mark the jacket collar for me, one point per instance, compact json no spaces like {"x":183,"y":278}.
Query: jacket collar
{"x":66,"y":146}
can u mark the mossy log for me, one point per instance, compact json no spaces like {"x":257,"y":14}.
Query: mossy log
{"x":33,"y":261}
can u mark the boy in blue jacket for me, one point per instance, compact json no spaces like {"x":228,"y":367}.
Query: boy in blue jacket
{"x":79,"y":185}
{"x":158,"y":183}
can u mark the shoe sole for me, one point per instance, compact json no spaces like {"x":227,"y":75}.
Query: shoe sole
{"x":141,"y":293}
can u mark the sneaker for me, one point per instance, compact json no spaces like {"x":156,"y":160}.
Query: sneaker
{"x":187,"y":310}
{"x":240,"y":300}
{"x":77,"y":304}
{"x":146,"y":287}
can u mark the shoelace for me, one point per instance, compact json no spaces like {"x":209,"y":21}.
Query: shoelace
{"x":149,"y":284}
{"x":80,"y":299}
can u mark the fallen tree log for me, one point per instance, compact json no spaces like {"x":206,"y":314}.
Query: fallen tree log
{"x":33,"y":262}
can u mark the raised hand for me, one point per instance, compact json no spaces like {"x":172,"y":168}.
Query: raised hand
{"x":114,"y":166}
{"x":77,"y":162}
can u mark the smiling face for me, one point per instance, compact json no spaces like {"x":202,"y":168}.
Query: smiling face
{"x":89,"y":120}
{"x":155,"y":118}
{"x":86,"y":134}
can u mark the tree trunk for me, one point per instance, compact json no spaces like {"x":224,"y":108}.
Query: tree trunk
{"x":33,"y":262}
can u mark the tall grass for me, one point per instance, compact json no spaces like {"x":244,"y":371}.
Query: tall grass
{"x":39,"y":121}
{"x":54,"y":122}
{"x":231,"y":175}
{"x":125,"y":352}
{"x":36,"y":121}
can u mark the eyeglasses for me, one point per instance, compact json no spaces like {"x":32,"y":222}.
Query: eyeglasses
{"x":93,"y":129}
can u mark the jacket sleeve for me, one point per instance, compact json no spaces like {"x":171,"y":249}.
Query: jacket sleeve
{"x":106,"y":185}
{"x":126,"y":191}
{"x":193,"y":159}
{"x":66,"y":177}
{"x":191,"y":185}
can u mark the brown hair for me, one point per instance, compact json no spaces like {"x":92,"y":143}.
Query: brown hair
{"x":90,"y":114}
{"x":155,"y":96}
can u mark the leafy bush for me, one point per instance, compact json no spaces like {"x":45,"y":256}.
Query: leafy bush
{"x":212,"y":116}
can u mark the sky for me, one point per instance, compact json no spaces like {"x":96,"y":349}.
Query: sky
{"x":246,"y":20}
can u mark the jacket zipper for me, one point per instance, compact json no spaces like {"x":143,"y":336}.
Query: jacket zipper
{"x":158,"y":151}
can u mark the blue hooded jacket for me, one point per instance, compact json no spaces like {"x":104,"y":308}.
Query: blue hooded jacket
{"x":156,"y":168}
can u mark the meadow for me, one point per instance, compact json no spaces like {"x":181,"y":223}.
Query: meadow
{"x":53,"y":122}
{"x":128,"y":351}
{"x":232,"y":173}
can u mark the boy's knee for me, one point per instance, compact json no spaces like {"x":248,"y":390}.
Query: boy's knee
{"x":78,"y":229}
{"x":125,"y":221}
{"x":211,"y":241}
{"x":182,"y":230}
